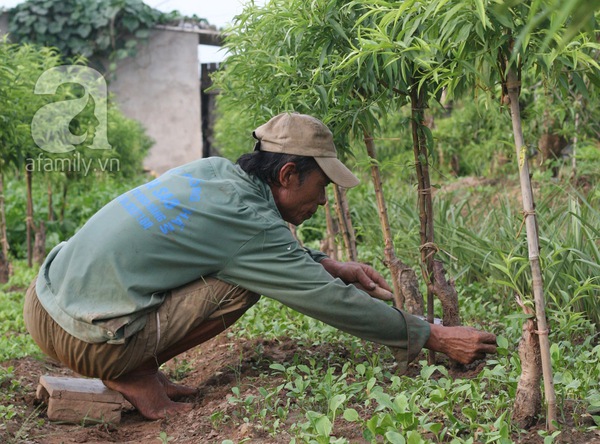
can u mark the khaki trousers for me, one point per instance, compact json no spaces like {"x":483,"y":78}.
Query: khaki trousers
{"x":183,"y":310}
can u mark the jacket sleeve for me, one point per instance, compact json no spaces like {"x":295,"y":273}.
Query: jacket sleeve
{"x":274,"y":265}
{"x":316,"y":255}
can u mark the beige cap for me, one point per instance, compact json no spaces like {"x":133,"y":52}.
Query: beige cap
{"x":303,"y":135}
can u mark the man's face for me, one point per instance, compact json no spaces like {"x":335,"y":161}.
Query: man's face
{"x":297,"y":201}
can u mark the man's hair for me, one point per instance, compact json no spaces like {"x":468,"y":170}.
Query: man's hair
{"x":266,"y":166}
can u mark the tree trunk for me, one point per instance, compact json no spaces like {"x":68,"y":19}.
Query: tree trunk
{"x":4,"y":268}
{"x":446,"y":293}
{"x":433,"y":272}
{"x":39,"y":247}
{"x":343,"y":213}
{"x":29,"y":218}
{"x":528,"y":398}
{"x":512,"y":87}
{"x":50,"y":203}
{"x":405,"y":285}
{"x":4,"y":263}
{"x":409,"y":288}
{"x":63,"y":207}
{"x":550,"y":146}
{"x":424,"y":198}
{"x":329,"y":245}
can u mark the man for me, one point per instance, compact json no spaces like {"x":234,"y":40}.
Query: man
{"x":172,"y":263}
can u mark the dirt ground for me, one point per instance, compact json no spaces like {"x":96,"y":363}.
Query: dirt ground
{"x":215,"y":368}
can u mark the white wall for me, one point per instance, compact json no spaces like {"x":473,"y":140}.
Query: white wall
{"x":161,"y":89}
{"x":3,"y":24}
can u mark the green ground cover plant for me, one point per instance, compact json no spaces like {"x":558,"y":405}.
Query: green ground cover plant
{"x":355,"y":384}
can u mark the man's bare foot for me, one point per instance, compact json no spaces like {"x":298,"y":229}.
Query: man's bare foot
{"x":173,"y":390}
{"x":147,"y":394}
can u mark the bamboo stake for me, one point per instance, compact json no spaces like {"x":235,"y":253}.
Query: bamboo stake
{"x":513,"y":85}
{"x":574,"y":153}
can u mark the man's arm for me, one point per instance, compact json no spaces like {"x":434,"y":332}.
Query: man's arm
{"x":462,"y":344}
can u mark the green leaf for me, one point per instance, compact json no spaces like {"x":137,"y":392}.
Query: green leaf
{"x":395,"y":437}
{"x":337,"y":28}
{"x":481,"y":12}
{"x":470,"y":413}
{"x":322,"y":94}
{"x":360,"y":369}
{"x":351,"y":415}
{"x":580,"y":85}
{"x":277,"y":367}
{"x":502,"y":342}
{"x":503,"y":16}
{"x":323,"y":426}
{"x":335,"y":402}
{"x":427,"y":371}
{"x":55,"y":27}
{"x":131,"y":23}
{"x":84,"y":31}
{"x":371,"y":384}
{"x":41,"y":27}
{"x":464,"y":32}
{"x":414,"y":437}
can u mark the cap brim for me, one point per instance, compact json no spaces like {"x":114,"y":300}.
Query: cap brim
{"x":337,"y":172}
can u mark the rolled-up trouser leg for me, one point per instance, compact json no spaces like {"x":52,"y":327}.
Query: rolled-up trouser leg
{"x":223,"y":304}
{"x":167,"y":329}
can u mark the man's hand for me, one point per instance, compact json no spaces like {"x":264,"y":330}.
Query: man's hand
{"x":462,"y":344}
{"x":361,"y":276}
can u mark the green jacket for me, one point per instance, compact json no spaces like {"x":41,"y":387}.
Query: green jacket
{"x":206,"y":218}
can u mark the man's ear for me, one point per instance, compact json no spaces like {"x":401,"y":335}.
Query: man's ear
{"x":288,"y":175}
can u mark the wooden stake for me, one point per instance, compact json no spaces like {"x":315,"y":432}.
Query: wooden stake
{"x":513,"y":86}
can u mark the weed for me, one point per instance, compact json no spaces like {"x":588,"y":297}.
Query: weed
{"x":164,"y":438}
{"x":181,"y":368}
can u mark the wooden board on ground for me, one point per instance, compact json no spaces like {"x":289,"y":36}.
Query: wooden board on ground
{"x":79,"y":400}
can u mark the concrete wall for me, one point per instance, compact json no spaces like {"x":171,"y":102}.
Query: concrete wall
{"x":161,"y":89}
{"x":3,"y":24}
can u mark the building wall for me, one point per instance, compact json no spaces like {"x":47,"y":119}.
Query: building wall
{"x":3,"y":24}
{"x":160,"y":87}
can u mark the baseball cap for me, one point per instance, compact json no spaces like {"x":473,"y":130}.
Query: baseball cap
{"x":304,"y":135}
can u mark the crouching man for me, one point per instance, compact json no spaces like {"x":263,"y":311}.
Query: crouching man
{"x":172,"y":263}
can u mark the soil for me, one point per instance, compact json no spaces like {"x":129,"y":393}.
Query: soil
{"x":215,"y":368}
